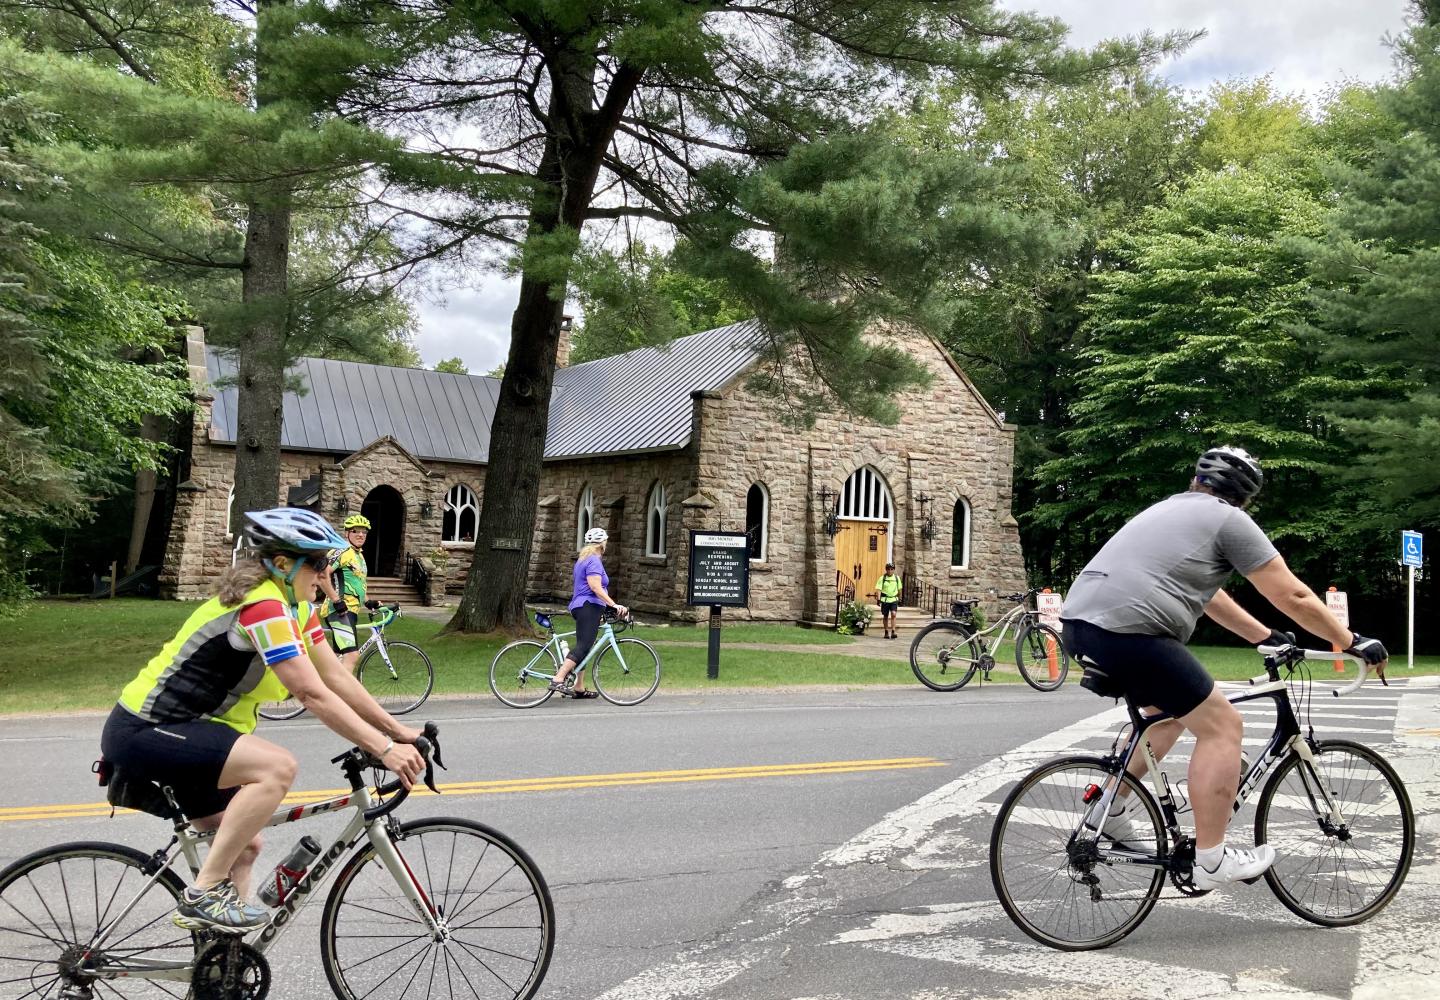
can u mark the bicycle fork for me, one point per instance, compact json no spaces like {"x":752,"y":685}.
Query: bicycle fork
{"x":388,"y":852}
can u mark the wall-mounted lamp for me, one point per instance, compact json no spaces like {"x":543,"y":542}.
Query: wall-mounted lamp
{"x":830,"y":518}
{"x":426,"y":509}
{"x":928,"y":530}
{"x":341,"y":505}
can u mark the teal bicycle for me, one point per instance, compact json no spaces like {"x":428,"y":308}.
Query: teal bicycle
{"x":624,"y":671}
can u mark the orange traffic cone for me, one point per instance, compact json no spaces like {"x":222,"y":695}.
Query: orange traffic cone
{"x":1052,"y":655}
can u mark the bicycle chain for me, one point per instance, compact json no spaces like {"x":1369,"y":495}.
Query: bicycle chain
{"x":230,"y":970}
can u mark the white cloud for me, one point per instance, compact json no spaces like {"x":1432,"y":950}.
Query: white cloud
{"x":1305,"y":44}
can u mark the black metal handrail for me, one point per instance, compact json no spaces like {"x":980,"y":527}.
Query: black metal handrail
{"x":844,"y":591}
{"x":911,"y":587}
{"x":417,"y":577}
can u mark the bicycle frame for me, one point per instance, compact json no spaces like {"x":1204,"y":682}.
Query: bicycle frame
{"x":604,"y":639}
{"x":1285,"y":737}
{"x":1014,"y":616}
{"x":185,"y":844}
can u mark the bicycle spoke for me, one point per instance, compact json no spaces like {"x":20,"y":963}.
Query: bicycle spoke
{"x":469,"y":949}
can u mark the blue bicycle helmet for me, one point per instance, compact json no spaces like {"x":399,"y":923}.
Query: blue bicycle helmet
{"x":290,"y":531}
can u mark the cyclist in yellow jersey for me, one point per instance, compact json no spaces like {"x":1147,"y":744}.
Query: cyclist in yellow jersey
{"x":344,"y":587}
{"x":887,"y":589}
{"x":187,"y":720}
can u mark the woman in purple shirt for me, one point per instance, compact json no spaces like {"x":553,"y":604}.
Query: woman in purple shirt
{"x":586,"y":605}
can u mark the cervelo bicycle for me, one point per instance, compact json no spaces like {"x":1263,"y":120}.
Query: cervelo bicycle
{"x":427,"y":909}
{"x":1335,"y":812}
{"x":945,"y":654}
{"x":625,"y":671}
{"x":398,"y":674}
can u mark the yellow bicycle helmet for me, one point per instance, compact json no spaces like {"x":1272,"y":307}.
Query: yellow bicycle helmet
{"x":355,"y":521}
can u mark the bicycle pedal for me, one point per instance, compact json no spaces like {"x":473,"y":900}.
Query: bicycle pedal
{"x":1252,"y":881}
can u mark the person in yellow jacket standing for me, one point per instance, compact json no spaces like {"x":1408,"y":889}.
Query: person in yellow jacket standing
{"x":344,"y":587}
{"x":887,"y":588}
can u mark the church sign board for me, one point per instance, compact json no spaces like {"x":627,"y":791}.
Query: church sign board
{"x":719,"y":569}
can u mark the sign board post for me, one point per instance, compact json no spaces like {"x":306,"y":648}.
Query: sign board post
{"x":1339,"y":604}
{"x":719,"y":577}
{"x":1048,"y":604}
{"x":1412,"y":556}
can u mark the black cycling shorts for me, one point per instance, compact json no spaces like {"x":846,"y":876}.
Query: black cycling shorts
{"x":889,"y":607}
{"x":1153,"y":669}
{"x":342,"y":632}
{"x":187,"y":756}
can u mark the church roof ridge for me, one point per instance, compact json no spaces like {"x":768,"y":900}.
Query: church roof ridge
{"x":633,"y":402}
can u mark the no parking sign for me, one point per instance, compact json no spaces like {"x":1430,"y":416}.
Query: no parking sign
{"x":1049,"y":603}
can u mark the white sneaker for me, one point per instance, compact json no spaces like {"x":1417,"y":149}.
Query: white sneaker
{"x":1237,"y":865}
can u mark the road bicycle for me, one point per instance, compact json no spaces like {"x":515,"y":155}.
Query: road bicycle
{"x":625,"y":671}
{"x":945,"y":654}
{"x":1335,"y":812}
{"x":428,"y":909}
{"x":398,"y":674}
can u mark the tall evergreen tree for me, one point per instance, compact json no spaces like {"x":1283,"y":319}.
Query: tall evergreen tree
{"x":1377,"y":272}
{"x":734,"y":124}
{"x":227,"y":174}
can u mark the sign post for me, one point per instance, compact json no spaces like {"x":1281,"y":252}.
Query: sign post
{"x":720,"y":577}
{"x":1339,"y":604}
{"x":1048,"y":604}
{"x":1412,"y":556}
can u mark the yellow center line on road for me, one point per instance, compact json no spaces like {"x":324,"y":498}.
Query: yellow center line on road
{"x":568,"y":782}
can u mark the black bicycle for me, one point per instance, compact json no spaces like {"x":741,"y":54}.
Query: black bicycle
{"x":945,"y":654}
{"x":428,"y":909}
{"x":1335,"y":812}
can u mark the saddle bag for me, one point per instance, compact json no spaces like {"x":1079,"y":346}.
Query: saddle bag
{"x":1096,"y":680}
{"x":125,"y":791}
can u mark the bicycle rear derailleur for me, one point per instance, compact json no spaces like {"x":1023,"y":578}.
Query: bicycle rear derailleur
{"x":230,"y":969}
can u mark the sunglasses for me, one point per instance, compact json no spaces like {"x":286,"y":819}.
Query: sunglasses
{"x":318,"y":561}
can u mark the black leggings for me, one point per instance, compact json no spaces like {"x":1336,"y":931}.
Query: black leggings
{"x":587,"y":625}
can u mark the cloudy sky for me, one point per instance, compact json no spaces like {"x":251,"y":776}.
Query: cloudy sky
{"x":1304,"y":44}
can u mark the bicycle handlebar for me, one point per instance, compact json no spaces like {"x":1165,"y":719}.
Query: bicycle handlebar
{"x":1288,"y":656}
{"x":429,"y":747}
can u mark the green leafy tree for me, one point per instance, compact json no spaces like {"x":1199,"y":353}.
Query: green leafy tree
{"x":638,"y":298}
{"x":1192,"y":342}
{"x":735,"y":126}
{"x":1378,"y":294}
{"x":231,"y":175}
{"x":74,"y":387}
{"x":452,"y":365}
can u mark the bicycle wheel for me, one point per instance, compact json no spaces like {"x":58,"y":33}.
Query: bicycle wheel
{"x":944,"y":655}
{"x":1034,"y":649}
{"x":53,"y":904}
{"x":497,"y":918}
{"x":629,"y":677}
{"x":1065,"y":890}
{"x":1328,"y":874}
{"x":398,"y":675}
{"x":514,"y":673}
{"x":279,"y":711}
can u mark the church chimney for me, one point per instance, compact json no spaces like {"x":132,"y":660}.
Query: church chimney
{"x":562,"y":349}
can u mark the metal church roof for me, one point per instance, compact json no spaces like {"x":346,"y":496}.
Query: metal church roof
{"x":638,"y":401}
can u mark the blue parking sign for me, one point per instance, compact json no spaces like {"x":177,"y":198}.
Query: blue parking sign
{"x":1412,"y":548}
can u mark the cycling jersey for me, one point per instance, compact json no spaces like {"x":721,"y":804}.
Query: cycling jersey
{"x":888,"y":587}
{"x":218,"y":666}
{"x":348,"y":571}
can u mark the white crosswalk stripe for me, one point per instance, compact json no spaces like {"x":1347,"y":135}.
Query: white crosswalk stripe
{"x":841,"y":901}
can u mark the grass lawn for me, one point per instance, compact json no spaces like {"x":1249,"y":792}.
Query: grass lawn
{"x":67,"y":656}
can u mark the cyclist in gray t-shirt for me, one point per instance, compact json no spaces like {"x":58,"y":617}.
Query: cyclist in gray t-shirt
{"x":1136,"y":603}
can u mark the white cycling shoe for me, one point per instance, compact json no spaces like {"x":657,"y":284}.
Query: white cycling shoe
{"x":1237,"y":865}
{"x":1122,"y":827}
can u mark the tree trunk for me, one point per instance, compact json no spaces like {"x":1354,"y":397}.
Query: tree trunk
{"x":495,"y":588}
{"x":264,"y":293}
{"x":262,"y":357}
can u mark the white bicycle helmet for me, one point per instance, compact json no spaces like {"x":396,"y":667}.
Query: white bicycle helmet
{"x":596,"y":536}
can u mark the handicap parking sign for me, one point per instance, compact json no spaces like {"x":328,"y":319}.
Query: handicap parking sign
{"x":1411,"y":548}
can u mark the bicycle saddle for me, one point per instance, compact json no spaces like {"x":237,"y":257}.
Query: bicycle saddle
{"x":542,"y":619}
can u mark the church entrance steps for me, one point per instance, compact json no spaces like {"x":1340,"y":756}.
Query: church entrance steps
{"x":389,"y":589}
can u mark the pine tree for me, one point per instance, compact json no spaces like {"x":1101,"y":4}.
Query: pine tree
{"x":736,"y":127}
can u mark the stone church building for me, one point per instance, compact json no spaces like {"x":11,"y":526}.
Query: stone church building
{"x":647,"y":445}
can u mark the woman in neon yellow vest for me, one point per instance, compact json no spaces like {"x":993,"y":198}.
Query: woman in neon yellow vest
{"x":188,"y":718}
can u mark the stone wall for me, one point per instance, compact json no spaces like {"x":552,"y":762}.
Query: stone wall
{"x":948,"y":444}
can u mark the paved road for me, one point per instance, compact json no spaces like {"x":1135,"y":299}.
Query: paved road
{"x":838,"y":879}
